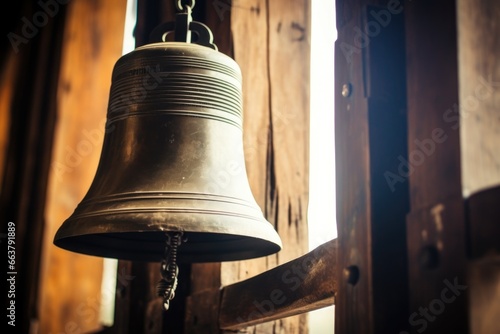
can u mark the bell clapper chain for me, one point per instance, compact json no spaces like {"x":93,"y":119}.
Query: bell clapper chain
{"x":169,"y":269}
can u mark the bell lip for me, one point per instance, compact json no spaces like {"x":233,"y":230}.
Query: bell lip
{"x":78,"y":245}
{"x":136,"y":241}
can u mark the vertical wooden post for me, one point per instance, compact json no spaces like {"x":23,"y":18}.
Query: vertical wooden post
{"x":371,"y":131}
{"x":436,"y":223}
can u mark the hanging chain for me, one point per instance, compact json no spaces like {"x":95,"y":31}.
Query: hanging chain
{"x":182,"y":7}
{"x":183,"y":26}
{"x":169,"y":269}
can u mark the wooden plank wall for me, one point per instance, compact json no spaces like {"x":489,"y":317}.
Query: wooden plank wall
{"x":71,"y":283}
{"x":6,"y":94}
{"x":271,"y":41}
{"x":8,"y":68}
{"x":30,"y":57}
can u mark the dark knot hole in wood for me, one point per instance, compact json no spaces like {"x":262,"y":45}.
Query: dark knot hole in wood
{"x":429,"y":257}
{"x":352,"y":274}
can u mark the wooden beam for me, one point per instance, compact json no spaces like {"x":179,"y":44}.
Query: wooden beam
{"x":436,"y":223}
{"x":370,"y":139}
{"x":301,"y":285}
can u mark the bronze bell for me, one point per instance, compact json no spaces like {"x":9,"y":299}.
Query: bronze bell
{"x":172,"y":161}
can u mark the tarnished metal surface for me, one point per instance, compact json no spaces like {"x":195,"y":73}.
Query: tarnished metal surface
{"x":172,"y":160}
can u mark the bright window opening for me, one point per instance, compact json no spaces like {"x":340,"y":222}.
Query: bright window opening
{"x":321,"y":211}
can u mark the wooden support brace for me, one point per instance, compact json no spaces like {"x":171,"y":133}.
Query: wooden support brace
{"x":301,"y":285}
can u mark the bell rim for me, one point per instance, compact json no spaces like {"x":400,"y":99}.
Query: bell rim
{"x":136,"y":229}
{"x":246,"y":239}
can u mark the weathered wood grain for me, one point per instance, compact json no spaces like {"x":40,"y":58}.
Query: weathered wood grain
{"x":271,"y":45}
{"x":370,"y":138}
{"x":7,"y":83}
{"x":71,"y":283}
{"x":301,"y":285}
{"x":354,"y":303}
{"x":436,"y":224}
{"x":29,"y":81}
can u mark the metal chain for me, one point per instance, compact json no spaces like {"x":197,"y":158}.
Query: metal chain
{"x":181,"y":7}
{"x":169,"y":269}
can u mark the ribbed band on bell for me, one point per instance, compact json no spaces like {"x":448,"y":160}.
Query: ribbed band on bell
{"x":176,"y":79}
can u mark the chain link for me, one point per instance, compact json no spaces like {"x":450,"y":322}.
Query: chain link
{"x":169,"y":269}
{"x":181,"y":7}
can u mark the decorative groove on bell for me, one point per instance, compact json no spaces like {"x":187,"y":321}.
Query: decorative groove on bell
{"x":203,"y":84}
{"x":172,"y":161}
